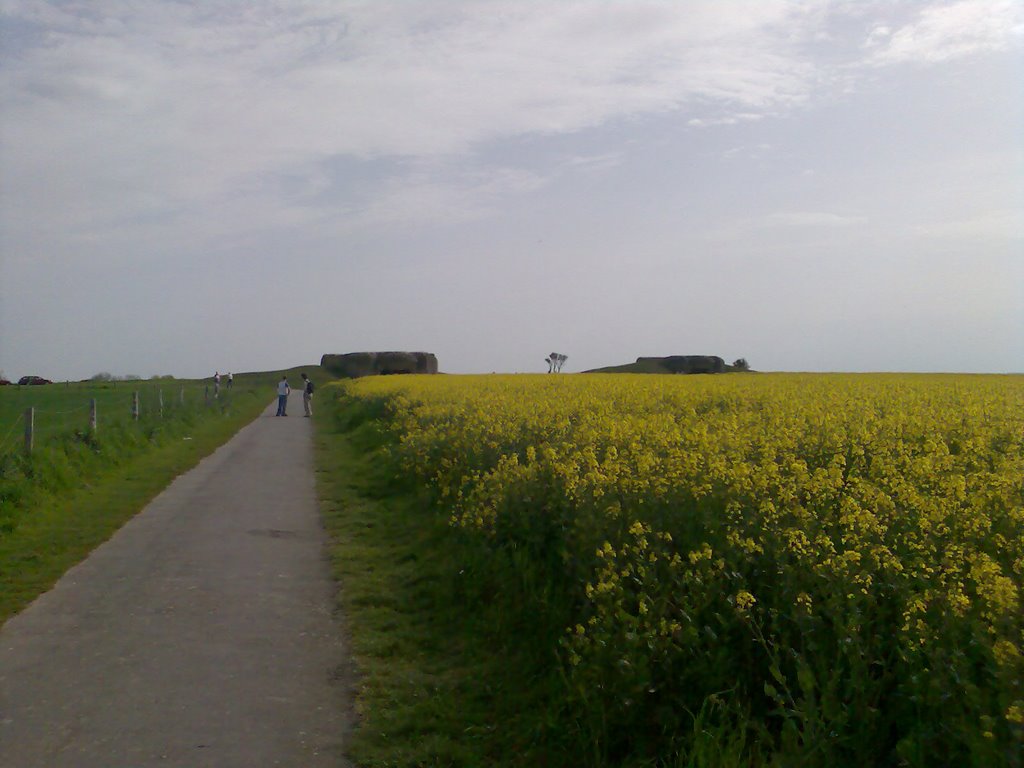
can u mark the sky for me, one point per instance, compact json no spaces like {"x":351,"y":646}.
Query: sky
{"x":827,"y":185}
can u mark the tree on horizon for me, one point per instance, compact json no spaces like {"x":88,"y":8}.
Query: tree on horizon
{"x":555,"y":362}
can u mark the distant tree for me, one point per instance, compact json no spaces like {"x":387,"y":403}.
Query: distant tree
{"x":102,"y":376}
{"x":741,"y":364}
{"x":555,"y":362}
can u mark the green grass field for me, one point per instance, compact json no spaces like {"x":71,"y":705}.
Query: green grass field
{"x":63,"y":408}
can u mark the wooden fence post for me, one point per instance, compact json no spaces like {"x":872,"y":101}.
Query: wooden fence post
{"x":160,"y":400}
{"x":181,"y":397}
{"x":207,"y":394}
{"x":30,"y":419}
{"x":92,"y":417}
{"x":135,"y":405}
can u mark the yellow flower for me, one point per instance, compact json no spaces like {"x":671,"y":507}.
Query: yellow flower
{"x":1015,"y":713}
{"x":704,"y":553}
{"x":878,"y":487}
{"x":744,"y":600}
{"x":1005,"y":653}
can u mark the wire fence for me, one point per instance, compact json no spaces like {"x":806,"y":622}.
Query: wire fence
{"x":34,"y":417}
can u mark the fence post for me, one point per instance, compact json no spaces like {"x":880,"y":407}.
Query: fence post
{"x":92,"y":417}
{"x":181,"y":397}
{"x":30,"y":419}
{"x":207,"y":394}
{"x":160,"y":400}
{"x":135,"y":406}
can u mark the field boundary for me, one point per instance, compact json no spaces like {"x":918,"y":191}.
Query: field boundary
{"x":33,"y":424}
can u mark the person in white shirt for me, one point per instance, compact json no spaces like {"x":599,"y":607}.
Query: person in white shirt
{"x":283,"y":390}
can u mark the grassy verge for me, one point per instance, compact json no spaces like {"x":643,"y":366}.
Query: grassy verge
{"x":68,"y":498}
{"x":447,"y":675}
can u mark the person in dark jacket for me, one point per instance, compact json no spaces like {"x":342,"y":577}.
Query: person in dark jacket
{"x":307,"y":396}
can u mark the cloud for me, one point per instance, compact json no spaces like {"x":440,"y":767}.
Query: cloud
{"x":405,"y":79}
{"x":739,"y":117}
{"x":948,"y":31}
{"x":595,"y":163}
{"x":119,"y":113}
{"x":747,"y":152}
{"x":124,"y":119}
{"x":811,"y":219}
{"x":425,"y":196}
{"x":999,"y":224}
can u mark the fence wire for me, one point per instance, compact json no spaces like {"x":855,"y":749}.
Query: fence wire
{"x":52,"y":423}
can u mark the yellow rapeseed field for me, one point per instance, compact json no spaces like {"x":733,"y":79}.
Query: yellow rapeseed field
{"x":838,"y":559}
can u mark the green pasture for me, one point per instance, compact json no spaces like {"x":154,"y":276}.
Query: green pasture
{"x":63,"y":408}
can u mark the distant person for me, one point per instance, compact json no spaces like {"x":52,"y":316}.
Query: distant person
{"x":216,"y":384}
{"x":307,"y":396}
{"x":231,"y":380}
{"x":283,"y":390}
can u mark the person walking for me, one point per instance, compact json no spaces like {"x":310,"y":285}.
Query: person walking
{"x":216,"y":384}
{"x":283,"y":390}
{"x":231,"y":380}
{"x":307,"y":396}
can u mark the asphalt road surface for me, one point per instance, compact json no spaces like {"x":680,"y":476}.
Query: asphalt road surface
{"x":202,"y":634}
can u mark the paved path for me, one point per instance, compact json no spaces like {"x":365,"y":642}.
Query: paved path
{"x":201,"y":634}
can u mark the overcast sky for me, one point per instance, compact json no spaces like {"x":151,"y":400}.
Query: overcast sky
{"x":196,"y":186}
